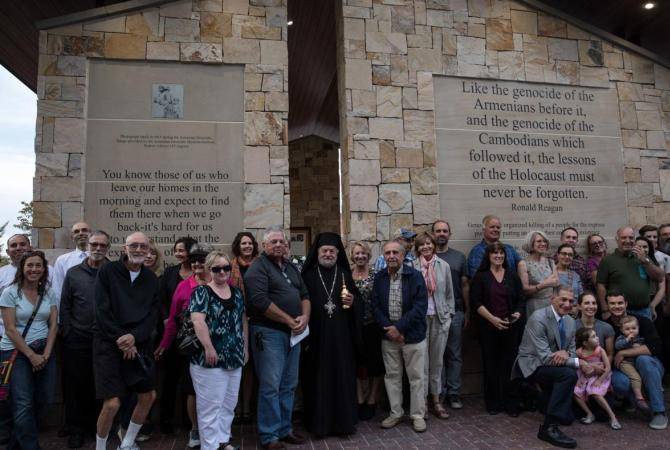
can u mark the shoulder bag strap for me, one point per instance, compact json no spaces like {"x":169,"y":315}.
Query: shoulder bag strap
{"x":32,"y":317}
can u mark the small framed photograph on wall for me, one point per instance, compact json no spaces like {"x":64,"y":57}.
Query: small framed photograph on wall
{"x":301,"y":239}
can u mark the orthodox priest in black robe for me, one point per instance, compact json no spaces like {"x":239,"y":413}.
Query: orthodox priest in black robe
{"x":329,"y":353}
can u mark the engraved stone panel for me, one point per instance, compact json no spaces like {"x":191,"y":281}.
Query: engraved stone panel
{"x":168,"y":175}
{"x":531,"y":153}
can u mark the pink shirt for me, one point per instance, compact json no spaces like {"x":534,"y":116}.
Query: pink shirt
{"x":180,"y":302}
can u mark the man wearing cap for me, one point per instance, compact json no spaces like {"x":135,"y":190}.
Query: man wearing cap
{"x":328,"y":366}
{"x":491,"y":233}
{"x":407,"y":238}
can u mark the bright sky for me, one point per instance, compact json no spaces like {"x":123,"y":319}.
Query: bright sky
{"x":18,"y":110}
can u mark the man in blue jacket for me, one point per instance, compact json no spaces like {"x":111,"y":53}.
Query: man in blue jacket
{"x":399,"y":299}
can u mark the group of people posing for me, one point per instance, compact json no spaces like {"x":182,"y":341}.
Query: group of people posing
{"x":561,"y":332}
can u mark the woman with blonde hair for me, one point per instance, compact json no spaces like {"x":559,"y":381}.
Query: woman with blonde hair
{"x":537,"y":272}
{"x":153,"y":261}
{"x":370,"y":373}
{"x":220,"y":323}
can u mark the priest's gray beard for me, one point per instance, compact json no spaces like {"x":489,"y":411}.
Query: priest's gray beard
{"x":327,"y":263}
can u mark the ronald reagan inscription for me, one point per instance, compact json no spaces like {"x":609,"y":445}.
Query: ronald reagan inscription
{"x":171,"y":174}
{"x":540,"y":156}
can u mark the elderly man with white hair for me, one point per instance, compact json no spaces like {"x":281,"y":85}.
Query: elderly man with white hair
{"x":126,"y":311}
{"x":278,"y":309}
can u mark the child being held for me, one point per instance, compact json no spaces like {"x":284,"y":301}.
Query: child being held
{"x":597,"y":383}
{"x":630,"y":338}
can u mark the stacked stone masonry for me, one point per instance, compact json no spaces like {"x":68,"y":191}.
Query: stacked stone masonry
{"x":249,"y":32}
{"x":391,"y":49}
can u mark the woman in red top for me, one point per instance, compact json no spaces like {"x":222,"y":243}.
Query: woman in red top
{"x":180,"y":303}
{"x":245,"y":252}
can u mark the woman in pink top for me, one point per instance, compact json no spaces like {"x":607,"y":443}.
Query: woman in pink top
{"x":180,"y":303}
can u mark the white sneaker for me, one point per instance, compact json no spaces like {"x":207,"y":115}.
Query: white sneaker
{"x":193,"y":439}
{"x":134,"y":446}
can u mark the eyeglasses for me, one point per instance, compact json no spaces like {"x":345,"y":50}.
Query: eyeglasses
{"x":198,"y":261}
{"x":597,"y":243}
{"x":137,"y":246}
{"x":98,"y":245}
{"x":570,"y":255}
{"x":218,"y":269}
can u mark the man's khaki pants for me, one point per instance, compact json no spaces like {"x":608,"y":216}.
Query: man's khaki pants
{"x":411,"y":357}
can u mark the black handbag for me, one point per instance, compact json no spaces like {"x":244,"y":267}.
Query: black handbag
{"x":188,"y":343}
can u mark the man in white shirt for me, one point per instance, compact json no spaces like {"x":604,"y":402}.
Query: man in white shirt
{"x":17,"y":245}
{"x":65,"y":262}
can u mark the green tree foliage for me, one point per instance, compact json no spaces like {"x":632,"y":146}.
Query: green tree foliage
{"x":4,"y":260}
{"x":25,"y":217}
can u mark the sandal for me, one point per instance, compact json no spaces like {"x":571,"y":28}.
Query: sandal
{"x":439,"y":411}
{"x":588,"y":419}
{"x":615,"y":425}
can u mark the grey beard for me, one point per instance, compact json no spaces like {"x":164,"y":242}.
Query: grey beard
{"x":327,"y":264}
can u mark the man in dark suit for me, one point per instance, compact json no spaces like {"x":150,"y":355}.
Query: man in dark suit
{"x":547,"y":357}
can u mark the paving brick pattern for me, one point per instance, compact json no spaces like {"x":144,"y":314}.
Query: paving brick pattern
{"x":469,"y":428}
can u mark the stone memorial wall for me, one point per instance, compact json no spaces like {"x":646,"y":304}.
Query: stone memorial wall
{"x":535,"y":154}
{"x":183,"y":107}
{"x":407,"y":144}
{"x":164,"y":153}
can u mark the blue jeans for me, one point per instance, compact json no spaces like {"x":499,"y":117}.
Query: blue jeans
{"x":642,"y":312}
{"x":276,"y":364}
{"x":651,"y":372}
{"x":29,"y":393}
{"x":453,"y":356}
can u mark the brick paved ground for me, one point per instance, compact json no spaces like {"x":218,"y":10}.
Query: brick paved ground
{"x":469,"y":428}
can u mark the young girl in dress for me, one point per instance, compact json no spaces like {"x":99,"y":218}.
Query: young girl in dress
{"x":596,"y":384}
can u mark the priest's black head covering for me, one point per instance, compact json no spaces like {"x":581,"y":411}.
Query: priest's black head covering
{"x":322,"y":239}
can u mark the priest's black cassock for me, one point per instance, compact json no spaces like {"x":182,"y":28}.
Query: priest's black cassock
{"x":329,"y":353}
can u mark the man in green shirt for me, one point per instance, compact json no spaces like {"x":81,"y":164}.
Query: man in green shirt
{"x":629,"y":270}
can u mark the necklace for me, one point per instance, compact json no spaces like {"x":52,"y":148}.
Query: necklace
{"x":329,"y":306}
{"x":356,"y":275}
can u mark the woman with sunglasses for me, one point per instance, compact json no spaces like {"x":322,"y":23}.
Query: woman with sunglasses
{"x":179,"y":306}
{"x":566,"y":276}
{"x":33,"y":376}
{"x":597,"y":250}
{"x":220,"y":323}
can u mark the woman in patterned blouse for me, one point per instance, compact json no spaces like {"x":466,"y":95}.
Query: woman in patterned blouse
{"x":219,"y":321}
{"x":371,"y":371}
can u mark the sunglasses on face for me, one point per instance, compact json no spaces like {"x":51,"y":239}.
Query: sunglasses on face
{"x":219,"y":269}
